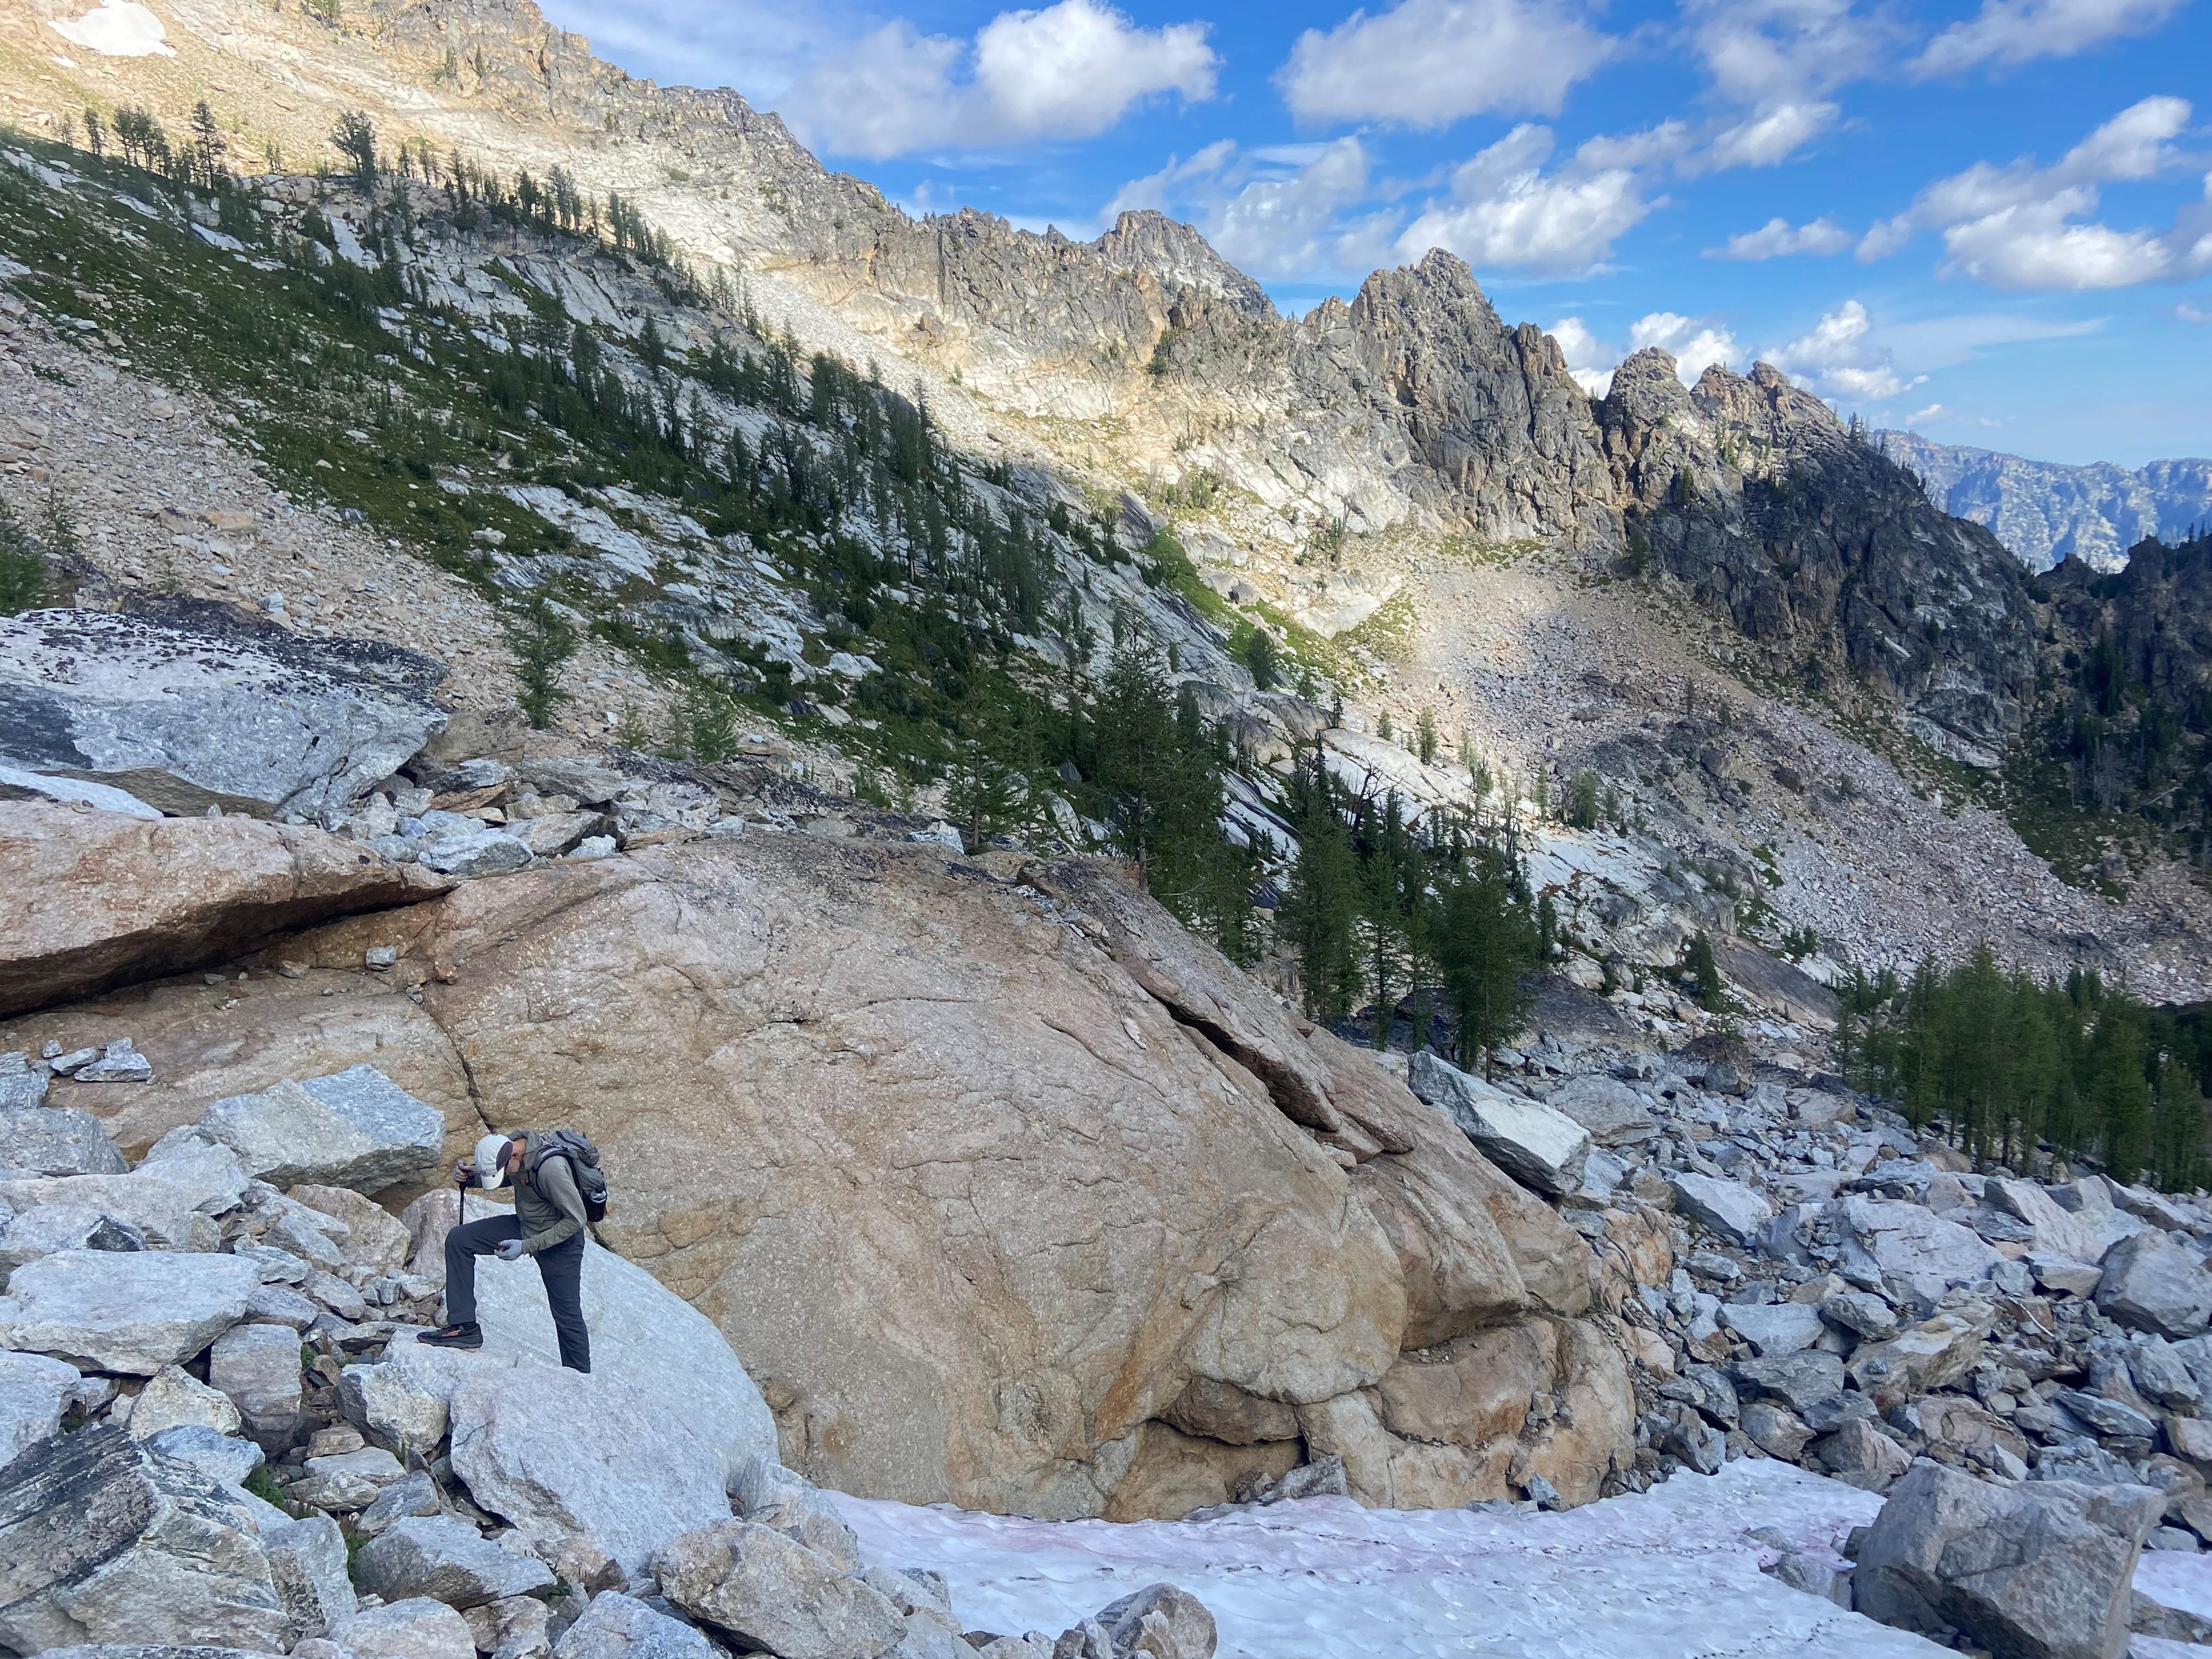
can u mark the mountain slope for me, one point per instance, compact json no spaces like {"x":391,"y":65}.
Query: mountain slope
{"x":2047,"y":512}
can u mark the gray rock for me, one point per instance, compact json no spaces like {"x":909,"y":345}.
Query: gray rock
{"x":219,"y":1456}
{"x":56,"y":1141}
{"x":2151,"y":1284}
{"x":1776,"y":1432}
{"x":1699,"y":1444}
{"x":34,"y":1392}
{"x":119,"y":1062}
{"x":558,"y":1452}
{"x":50,"y":1227}
{"x":2040,"y":1570}
{"x":1161,"y":1620}
{"x":307,"y":1564}
{"x":2162,"y":1376}
{"x":1779,"y":1329}
{"x":258,"y":1366}
{"x":771,"y":1592}
{"x":418,"y":1628}
{"x":413,"y":1494}
{"x":1615,"y":1113}
{"x":1861,"y":1313}
{"x":1918,"y":1253}
{"x":1860,"y":1455}
{"x":2106,"y":1416}
{"x":767,"y":1492}
{"x":183,"y":718}
{"x":132,"y":1314}
{"x":483,"y":851}
{"x":618,"y":1627}
{"x":1729,"y":1208}
{"x":1796,"y":1379}
{"x":2055,"y":1230}
{"x":400,"y":1402}
{"x":174,"y":1398}
{"x":156,"y":1651}
{"x":22,"y":1087}
{"x":446,"y":1561}
{"x":345,"y":1481}
{"x":1538,"y":1148}
{"x":107,"y":1540}
{"x":356,"y":1128}
{"x":2063,"y":1276}
{"x":1708,"y":1390}
{"x":514,"y":1627}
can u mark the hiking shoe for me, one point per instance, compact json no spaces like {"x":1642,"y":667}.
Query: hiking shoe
{"x":454,"y":1336}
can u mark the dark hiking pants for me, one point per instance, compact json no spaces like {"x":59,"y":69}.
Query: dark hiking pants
{"x":561,"y":1267}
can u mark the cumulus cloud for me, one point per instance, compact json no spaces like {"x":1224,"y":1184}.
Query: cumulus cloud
{"x":1923,"y":416}
{"x":2008,"y":33}
{"x":1840,"y":357}
{"x":1778,"y":239}
{"x":2021,"y":225}
{"x":1770,"y":137}
{"x":1430,"y":63}
{"x":1696,"y":343}
{"x":1070,"y":70}
{"x":1506,"y":210}
{"x":1769,"y":53}
{"x":1296,"y":210}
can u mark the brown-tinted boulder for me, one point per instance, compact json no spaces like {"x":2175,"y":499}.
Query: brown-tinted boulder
{"x":101,"y":899}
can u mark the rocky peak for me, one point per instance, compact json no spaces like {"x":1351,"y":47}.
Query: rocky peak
{"x":1177,"y":256}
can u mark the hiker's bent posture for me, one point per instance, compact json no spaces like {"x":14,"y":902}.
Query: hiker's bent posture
{"x":547,"y":1223}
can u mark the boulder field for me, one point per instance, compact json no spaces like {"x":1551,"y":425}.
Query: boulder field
{"x":1006,"y":1192}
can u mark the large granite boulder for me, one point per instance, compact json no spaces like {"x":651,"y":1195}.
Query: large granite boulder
{"x":1916,"y":1253}
{"x":101,"y":899}
{"x":185,"y":717}
{"x":800,"y":1057}
{"x":104,"y":1540}
{"x":356,"y":1129}
{"x":1538,"y":1146}
{"x":257,"y":1367}
{"x":618,"y":1627}
{"x":446,"y":1561}
{"x":2152,"y":1284}
{"x":34,"y":1392}
{"x":561,"y":1453}
{"x":771,"y":1592}
{"x":2040,"y":1570}
{"x":416,"y":1628}
{"x":132,"y":1313}
{"x":1615,"y":1113}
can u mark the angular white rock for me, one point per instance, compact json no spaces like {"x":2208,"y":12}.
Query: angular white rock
{"x":1538,"y":1148}
{"x":128,"y":1313}
{"x":355,"y":1128}
{"x":1728,"y":1207}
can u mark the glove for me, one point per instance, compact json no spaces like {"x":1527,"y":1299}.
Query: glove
{"x":465,"y":1173}
{"x":508,"y":1250}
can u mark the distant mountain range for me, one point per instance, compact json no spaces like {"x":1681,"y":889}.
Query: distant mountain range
{"x":2043,"y":511}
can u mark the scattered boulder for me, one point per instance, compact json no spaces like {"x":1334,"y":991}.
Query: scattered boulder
{"x":770,"y":1591}
{"x":2040,"y":1570}
{"x":266,"y":723}
{"x":356,"y":1128}
{"x":174,"y":1398}
{"x":558,"y":1452}
{"x":1777,"y":1327}
{"x":618,"y":1627}
{"x":108,"y":900}
{"x":307,"y":1564}
{"x":258,"y":1366}
{"x":104,"y":1540}
{"x":1615,"y":1113}
{"x":417,"y":1628}
{"x":1932,"y":1353}
{"x":400,"y":1402}
{"x":128,"y":1313}
{"x":446,"y":1561}
{"x":375,"y":1239}
{"x":219,"y":1456}
{"x":2151,"y":1284}
{"x":52,"y":1227}
{"x":1538,"y":1146}
{"x":1908,"y":1247}
{"x":34,"y":1392}
{"x":413,"y":1494}
{"x":1728,"y":1207}
{"x":56,"y":1141}
{"x":2057,"y":1231}
{"x":1160,"y":1620}
{"x":1860,"y":1455}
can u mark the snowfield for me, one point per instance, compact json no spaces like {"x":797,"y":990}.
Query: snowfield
{"x":1668,"y":1574}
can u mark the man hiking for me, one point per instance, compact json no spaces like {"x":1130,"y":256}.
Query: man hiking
{"x":548,"y":1221}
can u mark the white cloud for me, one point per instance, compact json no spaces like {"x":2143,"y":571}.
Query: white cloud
{"x":2189,"y":313}
{"x":2008,"y":33}
{"x":1071,"y":71}
{"x":1776,"y":239}
{"x":1284,"y":210}
{"x":1770,"y":137}
{"x":2020,"y":226}
{"x":1506,"y":210}
{"x":1766,"y":53}
{"x":1696,"y":343}
{"x":1840,"y":357}
{"x":1922,"y":416}
{"x":1430,"y":63}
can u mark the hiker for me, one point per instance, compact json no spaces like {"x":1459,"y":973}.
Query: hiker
{"x":548,"y":1221}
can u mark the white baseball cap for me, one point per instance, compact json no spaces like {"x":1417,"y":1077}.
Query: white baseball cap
{"x":491,"y":1160}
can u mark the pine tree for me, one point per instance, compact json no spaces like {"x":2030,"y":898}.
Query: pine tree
{"x":355,"y":138}
{"x":1426,"y":738}
{"x":1705,"y":973}
{"x":543,"y":640}
{"x":1319,"y":913}
{"x":1486,"y":940}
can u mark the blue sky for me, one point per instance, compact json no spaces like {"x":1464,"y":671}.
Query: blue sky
{"x":1990,"y":220}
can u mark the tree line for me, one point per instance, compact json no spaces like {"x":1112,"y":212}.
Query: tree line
{"x":2011,"y":1067}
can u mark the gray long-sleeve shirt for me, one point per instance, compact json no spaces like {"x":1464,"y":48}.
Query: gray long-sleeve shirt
{"x":551,"y":1209}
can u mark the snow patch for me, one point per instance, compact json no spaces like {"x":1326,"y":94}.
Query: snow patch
{"x":1668,"y":1572}
{"x":121,"y":28}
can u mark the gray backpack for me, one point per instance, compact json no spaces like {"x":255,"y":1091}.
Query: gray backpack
{"x":583,"y":1163}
